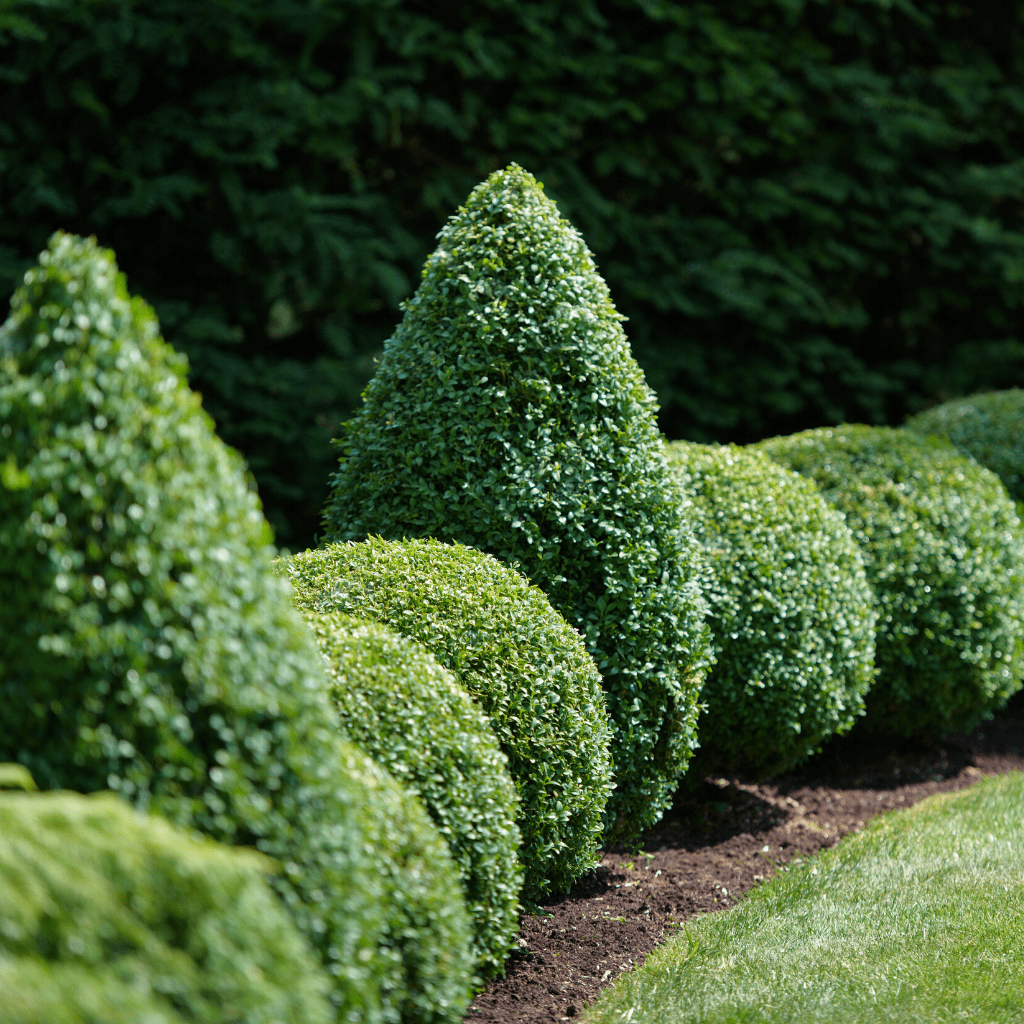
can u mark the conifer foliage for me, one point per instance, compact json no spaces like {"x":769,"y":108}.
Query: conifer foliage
{"x":508,"y":414}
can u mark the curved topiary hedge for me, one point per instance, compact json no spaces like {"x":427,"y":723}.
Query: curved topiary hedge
{"x":425,"y":950}
{"x":508,"y":414}
{"x":409,"y":714}
{"x":944,"y":552}
{"x":791,"y":612}
{"x":989,"y":427}
{"x":518,"y":658}
{"x":108,"y":915}
{"x":149,"y":647}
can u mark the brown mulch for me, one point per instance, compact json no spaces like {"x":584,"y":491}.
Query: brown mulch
{"x":714,"y":845}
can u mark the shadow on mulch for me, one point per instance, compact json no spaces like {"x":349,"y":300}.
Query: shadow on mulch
{"x":717,"y":842}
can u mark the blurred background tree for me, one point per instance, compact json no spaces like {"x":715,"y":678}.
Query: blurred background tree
{"x":810,"y":210}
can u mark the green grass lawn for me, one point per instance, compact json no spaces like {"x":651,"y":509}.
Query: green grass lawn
{"x":919,"y":918}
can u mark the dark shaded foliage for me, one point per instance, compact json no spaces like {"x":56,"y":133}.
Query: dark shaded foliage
{"x":809,"y":210}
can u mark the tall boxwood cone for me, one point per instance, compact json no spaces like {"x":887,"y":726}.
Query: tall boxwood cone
{"x":508,"y":414}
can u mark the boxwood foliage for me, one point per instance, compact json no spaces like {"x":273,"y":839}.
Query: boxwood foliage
{"x":408,"y":713}
{"x":109,"y":915}
{"x":149,"y":648}
{"x":989,"y":427}
{"x":944,"y":551}
{"x":791,"y":612}
{"x":525,"y":666}
{"x":507,"y":413}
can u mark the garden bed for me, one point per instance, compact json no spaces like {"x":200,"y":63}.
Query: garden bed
{"x":711,"y":848}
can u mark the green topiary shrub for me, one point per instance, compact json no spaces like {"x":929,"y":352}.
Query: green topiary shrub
{"x":989,"y":427}
{"x":791,"y":612}
{"x":409,"y":714}
{"x":149,"y":648}
{"x":519,"y":660}
{"x":425,"y":950}
{"x":508,"y":414}
{"x":943,"y":550}
{"x":109,"y":915}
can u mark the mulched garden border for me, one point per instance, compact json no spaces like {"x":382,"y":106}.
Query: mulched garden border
{"x":719,"y":840}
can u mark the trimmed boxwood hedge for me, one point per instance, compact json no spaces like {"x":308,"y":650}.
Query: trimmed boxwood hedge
{"x":149,"y":647}
{"x":944,"y":552}
{"x":791,"y":612}
{"x":109,"y":915}
{"x":425,"y":949}
{"x":989,"y":427}
{"x":411,"y":716}
{"x":520,"y":661}
{"x":508,"y":414}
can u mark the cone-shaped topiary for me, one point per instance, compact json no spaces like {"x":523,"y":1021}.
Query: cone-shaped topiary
{"x":148,"y":647}
{"x":507,"y":413}
{"x":944,"y":552}
{"x":411,"y":716}
{"x":989,"y":427}
{"x":524,"y":665}
{"x":108,"y":915}
{"x":791,"y":612}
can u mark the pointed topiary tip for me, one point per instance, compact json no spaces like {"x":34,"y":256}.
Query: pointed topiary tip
{"x":504,"y":188}
{"x":73,"y":294}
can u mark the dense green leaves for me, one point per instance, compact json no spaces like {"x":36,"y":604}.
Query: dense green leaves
{"x":944,"y":551}
{"x":790,"y":609}
{"x":518,"y":659}
{"x":808,"y":210}
{"x":108,"y":915}
{"x":149,"y":648}
{"x":507,"y":413}
{"x":409,"y":714}
{"x":989,"y":427}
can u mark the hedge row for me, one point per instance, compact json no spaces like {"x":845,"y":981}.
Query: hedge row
{"x":944,"y":551}
{"x":153,"y":647}
{"x":155,"y":653}
{"x":526,"y":668}
{"x":507,"y":413}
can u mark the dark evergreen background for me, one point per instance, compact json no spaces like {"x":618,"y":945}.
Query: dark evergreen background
{"x":810,"y":210}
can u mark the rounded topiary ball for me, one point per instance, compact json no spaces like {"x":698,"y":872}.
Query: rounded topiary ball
{"x":149,"y":648}
{"x":109,"y":915}
{"x":409,"y":714}
{"x":791,"y":612}
{"x":508,"y":414}
{"x":518,"y":659}
{"x":944,"y":552}
{"x":989,"y":427}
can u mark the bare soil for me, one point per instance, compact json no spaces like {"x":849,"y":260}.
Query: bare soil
{"x":718,"y":841}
